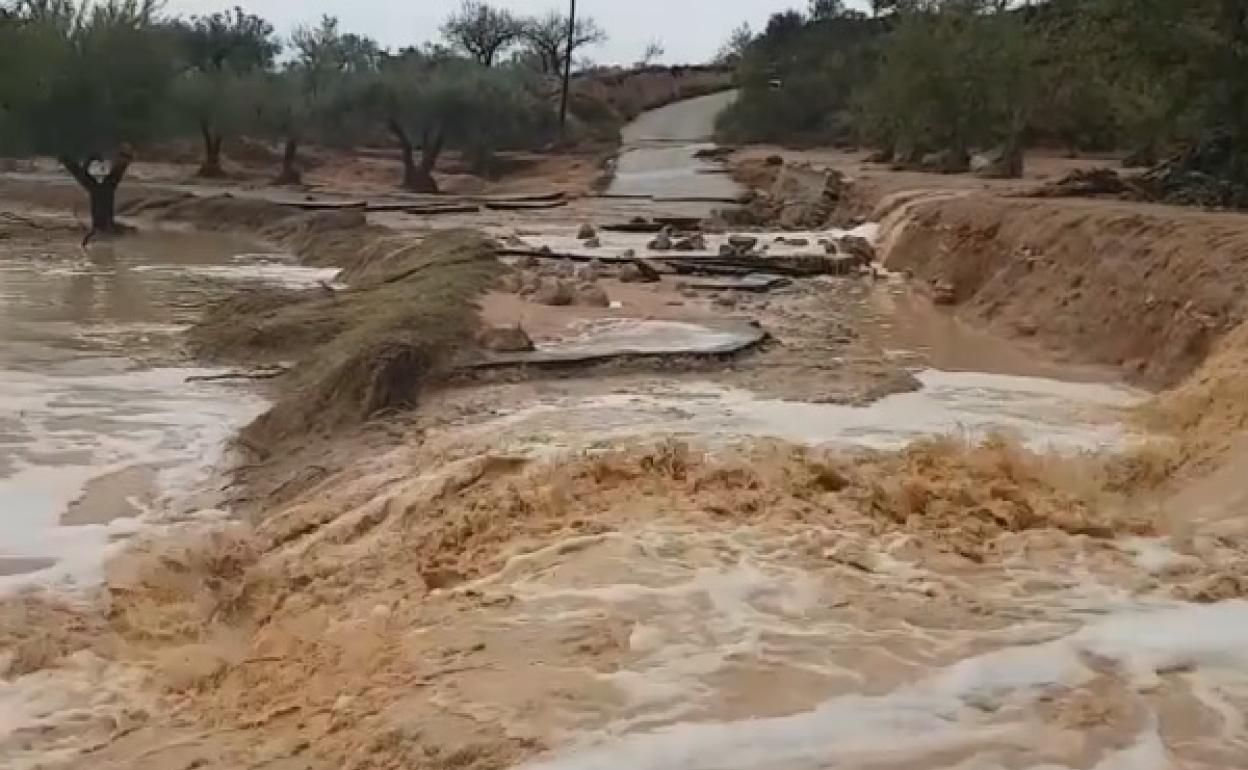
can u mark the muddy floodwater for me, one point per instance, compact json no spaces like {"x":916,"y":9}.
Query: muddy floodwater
{"x":99,"y":424}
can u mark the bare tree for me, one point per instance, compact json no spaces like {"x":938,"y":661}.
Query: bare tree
{"x":654,"y":50}
{"x":482,"y":30}
{"x":734,"y":48}
{"x":547,"y":38}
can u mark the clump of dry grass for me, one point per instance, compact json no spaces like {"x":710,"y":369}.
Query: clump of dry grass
{"x":360,"y":351}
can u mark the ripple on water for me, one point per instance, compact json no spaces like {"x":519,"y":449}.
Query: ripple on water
{"x":94,"y":412}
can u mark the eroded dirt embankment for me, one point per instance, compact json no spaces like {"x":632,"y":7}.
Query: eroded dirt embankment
{"x":1147,"y":289}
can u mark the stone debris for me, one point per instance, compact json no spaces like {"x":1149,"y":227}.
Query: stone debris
{"x":592,"y":295}
{"x":506,"y":339}
{"x":554,"y":293}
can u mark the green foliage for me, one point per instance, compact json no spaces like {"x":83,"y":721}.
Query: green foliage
{"x":228,"y":40}
{"x":462,"y":105}
{"x":934,"y":75}
{"x":324,"y":52}
{"x":798,"y":78}
{"x":953,"y":78}
{"x":84,"y":79}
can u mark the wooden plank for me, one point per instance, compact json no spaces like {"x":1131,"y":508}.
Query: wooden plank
{"x":525,"y":205}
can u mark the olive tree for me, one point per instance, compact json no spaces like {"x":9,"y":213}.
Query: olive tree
{"x":285,"y":108}
{"x":547,"y":39}
{"x":435,"y":106}
{"x":482,"y":31}
{"x":221,"y":50}
{"x":101,"y":74}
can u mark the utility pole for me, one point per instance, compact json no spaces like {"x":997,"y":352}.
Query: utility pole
{"x":567,"y":67}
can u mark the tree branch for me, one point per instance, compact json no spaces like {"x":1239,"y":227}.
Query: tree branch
{"x":78,"y":170}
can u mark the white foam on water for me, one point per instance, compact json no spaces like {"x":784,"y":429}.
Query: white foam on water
{"x":275,"y":273}
{"x":81,"y":399}
{"x":79,"y":428}
{"x":1045,"y":414}
{"x":913,"y":722}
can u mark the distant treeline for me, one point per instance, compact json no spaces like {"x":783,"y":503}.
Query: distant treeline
{"x":918,"y":78}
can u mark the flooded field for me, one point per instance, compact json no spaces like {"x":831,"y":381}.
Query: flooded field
{"x":104,"y":421}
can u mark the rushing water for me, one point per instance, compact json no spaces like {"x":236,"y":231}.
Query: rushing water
{"x":98,"y":421}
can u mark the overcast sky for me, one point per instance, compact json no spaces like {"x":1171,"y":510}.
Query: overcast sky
{"x":690,"y":30}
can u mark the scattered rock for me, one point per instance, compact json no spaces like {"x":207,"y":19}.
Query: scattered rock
{"x":856,"y":246}
{"x":727,"y":250}
{"x":742,"y":242}
{"x":1002,"y":163}
{"x":592,"y":295}
{"x":661,"y":242}
{"x":528,"y":261}
{"x":511,"y":283}
{"x":726,"y":300}
{"x":545,"y":250}
{"x":591,"y":271}
{"x":692,"y":243}
{"x":530,"y":283}
{"x":1026,"y":327}
{"x":506,"y":339}
{"x":774,"y":160}
{"x":947,"y":162}
{"x":943,"y":293}
{"x":628,"y":253}
{"x":794,"y":241}
{"x":586,"y":232}
{"x":688,"y":293}
{"x":1090,"y":183}
{"x":554,"y":293}
{"x":593,"y":243}
{"x":853,"y":554}
{"x":639,"y":271}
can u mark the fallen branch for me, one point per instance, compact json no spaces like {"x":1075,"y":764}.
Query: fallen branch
{"x":267,"y":374}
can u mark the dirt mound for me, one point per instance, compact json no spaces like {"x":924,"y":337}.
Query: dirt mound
{"x":1149,"y":289}
{"x":1208,"y":412}
{"x":362,"y":350}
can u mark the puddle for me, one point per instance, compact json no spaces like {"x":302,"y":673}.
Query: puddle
{"x":1045,"y":414}
{"x":100,"y":425}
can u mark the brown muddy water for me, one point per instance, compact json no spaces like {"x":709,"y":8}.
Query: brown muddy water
{"x":98,"y":423}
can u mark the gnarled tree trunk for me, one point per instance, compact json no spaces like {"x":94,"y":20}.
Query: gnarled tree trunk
{"x":417,"y":178}
{"x":211,"y":167}
{"x":102,"y":193}
{"x":290,"y":169}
